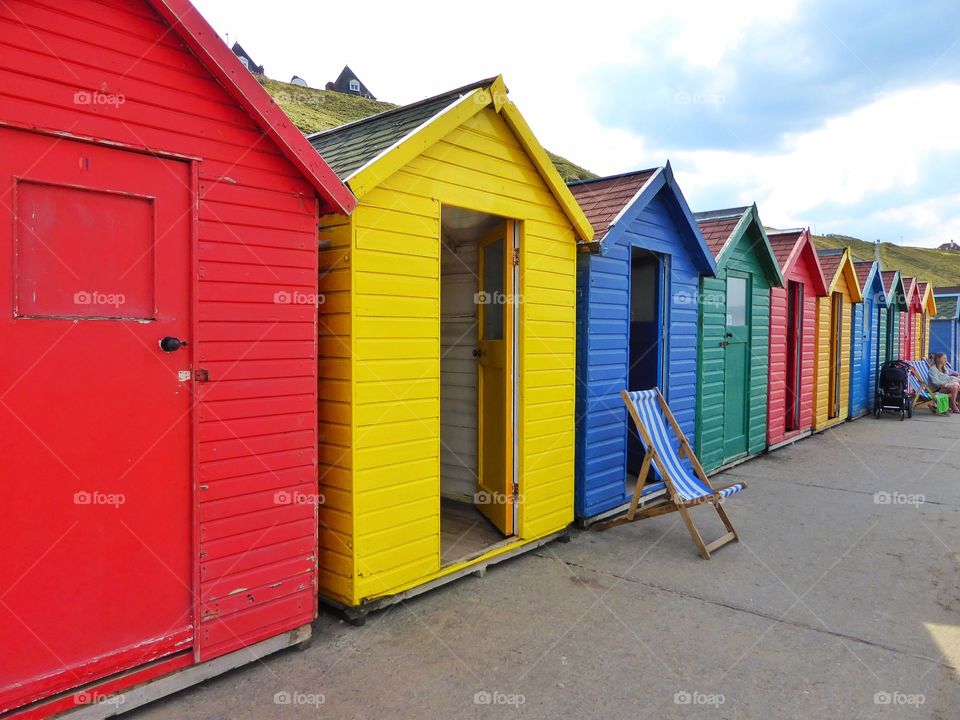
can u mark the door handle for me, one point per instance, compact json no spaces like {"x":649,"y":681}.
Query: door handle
{"x":171,"y":344}
{"x":729,"y":334}
{"x":724,"y":343}
{"x":477,"y":352}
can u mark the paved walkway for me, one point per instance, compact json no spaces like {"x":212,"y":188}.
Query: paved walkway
{"x":834,"y":605}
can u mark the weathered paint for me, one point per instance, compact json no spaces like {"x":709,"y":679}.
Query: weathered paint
{"x":868,"y":338}
{"x":380,"y":343}
{"x":655,"y":218}
{"x":745,"y":250}
{"x":842,"y":281}
{"x":149,"y":83}
{"x":798,"y":262}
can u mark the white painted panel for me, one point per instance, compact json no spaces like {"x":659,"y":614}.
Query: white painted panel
{"x":458,"y":370}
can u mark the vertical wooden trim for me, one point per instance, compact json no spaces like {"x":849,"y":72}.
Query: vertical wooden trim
{"x":195,"y":395}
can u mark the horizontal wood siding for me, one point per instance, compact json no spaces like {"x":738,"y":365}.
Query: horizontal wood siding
{"x":943,"y":338}
{"x":711,"y":391}
{"x":604,"y":350}
{"x":822,"y":397}
{"x":336,"y":538}
{"x":777,"y":397}
{"x":256,"y":219}
{"x":856,"y":400}
{"x":396,"y":346}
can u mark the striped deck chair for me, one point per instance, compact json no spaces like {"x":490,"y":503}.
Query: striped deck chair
{"x":684,"y":489}
{"x":919,"y":381}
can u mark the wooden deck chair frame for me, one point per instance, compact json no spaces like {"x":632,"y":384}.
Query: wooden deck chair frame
{"x":672,"y":502}
{"x":917,"y":401}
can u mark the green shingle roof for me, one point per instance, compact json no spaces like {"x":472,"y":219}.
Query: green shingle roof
{"x":349,"y":147}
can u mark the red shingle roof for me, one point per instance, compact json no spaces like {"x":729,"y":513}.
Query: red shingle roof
{"x":783,"y":243}
{"x":717,"y":232}
{"x":829,"y":264}
{"x":887,"y":277}
{"x":863,"y":270}
{"x":603,"y":199}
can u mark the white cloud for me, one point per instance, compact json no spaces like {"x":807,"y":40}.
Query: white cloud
{"x":880,"y":147}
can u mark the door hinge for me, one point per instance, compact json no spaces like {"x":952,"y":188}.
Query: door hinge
{"x":516,"y":257}
{"x":516,"y":491}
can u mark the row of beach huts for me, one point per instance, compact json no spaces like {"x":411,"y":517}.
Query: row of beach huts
{"x":246,"y":372}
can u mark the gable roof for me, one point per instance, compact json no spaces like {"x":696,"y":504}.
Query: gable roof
{"x":910,"y":290}
{"x":219,"y":60}
{"x":347,"y":148}
{"x":836,"y":264}
{"x":612,"y":203}
{"x":365,"y":152}
{"x":342,"y":84}
{"x":947,"y":308}
{"x":893,"y":283}
{"x":791,"y":245}
{"x":722,"y":229}
{"x":868,"y":276}
{"x":927,"y":300}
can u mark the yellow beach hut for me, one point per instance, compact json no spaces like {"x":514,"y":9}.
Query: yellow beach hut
{"x":929,"y":305}
{"x":447,"y":328}
{"x":834,"y":316}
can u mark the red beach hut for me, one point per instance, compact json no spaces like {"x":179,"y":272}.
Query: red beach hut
{"x":793,"y":320}
{"x":158,"y":417}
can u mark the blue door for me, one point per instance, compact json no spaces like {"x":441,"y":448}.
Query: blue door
{"x":866,"y":354}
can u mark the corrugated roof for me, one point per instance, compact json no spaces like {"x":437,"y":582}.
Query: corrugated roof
{"x":603,"y":199}
{"x":946,"y":308}
{"x":717,"y":225}
{"x":349,"y":147}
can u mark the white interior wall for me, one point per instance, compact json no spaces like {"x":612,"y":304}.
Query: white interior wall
{"x":458,"y":368}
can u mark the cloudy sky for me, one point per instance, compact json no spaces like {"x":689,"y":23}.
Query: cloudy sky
{"x":844,"y":116}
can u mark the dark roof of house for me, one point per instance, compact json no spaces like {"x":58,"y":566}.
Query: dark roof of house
{"x":349,"y":147}
{"x":829,"y":262}
{"x":783,"y":242}
{"x":602,"y":199}
{"x":946,"y":308}
{"x":716,"y":226}
{"x":948,"y":289}
{"x":863,"y":268}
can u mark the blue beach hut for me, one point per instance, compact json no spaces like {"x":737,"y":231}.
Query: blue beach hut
{"x":637,"y":286}
{"x":869,"y":337}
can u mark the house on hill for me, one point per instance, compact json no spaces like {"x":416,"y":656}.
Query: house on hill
{"x":247,"y":61}
{"x":348,"y":82}
{"x":950,"y":246}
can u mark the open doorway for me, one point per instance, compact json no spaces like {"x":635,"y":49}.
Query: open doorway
{"x":645,"y":343}
{"x":794,"y":354}
{"x":477,"y":381}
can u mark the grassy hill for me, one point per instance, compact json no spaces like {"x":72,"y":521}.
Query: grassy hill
{"x":937,"y":266}
{"x":313,"y":110}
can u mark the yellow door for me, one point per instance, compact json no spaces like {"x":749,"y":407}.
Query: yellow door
{"x":496,"y":304}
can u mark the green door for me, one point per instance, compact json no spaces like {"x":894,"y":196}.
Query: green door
{"x":736,"y":364}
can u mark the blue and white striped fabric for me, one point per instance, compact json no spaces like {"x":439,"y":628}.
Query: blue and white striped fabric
{"x":688,"y":485}
{"x":923,"y":370}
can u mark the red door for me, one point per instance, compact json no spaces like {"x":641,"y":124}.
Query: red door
{"x":95,"y":419}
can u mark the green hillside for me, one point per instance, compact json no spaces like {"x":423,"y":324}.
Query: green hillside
{"x":313,"y":110}
{"x":937,"y":266}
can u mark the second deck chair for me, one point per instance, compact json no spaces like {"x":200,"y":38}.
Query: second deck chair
{"x":919,"y":381}
{"x":684,"y":489}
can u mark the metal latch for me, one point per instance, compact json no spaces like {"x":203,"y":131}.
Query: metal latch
{"x":183,"y":375}
{"x":202,"y":375}
{"x":516,"y":257}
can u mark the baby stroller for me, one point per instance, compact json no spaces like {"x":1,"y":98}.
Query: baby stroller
{"x":892,"y":390}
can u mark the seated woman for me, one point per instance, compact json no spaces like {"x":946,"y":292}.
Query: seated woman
{"x":941,"y":381}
